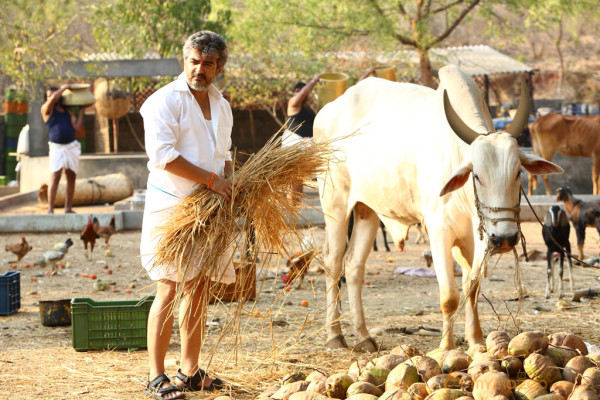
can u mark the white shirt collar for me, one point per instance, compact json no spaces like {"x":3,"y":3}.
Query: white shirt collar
{"x":181,"y":85}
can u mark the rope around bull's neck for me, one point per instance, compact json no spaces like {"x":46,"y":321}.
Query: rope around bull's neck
{"x":583,"y":263}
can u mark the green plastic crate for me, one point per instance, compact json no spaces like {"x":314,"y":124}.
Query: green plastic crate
{"x":99,"y":325}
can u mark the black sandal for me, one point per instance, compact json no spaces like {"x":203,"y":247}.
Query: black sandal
{"x":193,"y":383}
{"x":155,"y":388}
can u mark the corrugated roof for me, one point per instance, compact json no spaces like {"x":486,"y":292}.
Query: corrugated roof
{"x":476,"y":60}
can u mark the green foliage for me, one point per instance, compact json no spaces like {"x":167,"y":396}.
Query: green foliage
{"x":36,"y":37}
{"x":138,"y":28}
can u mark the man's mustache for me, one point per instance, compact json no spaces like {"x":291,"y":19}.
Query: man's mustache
{"x":199,"y":75}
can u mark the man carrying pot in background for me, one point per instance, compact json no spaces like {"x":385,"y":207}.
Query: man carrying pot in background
{"x":64,"y":149}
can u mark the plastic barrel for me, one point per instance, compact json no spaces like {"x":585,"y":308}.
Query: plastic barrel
{"x":331,"y":86}
{"x":386,"y":72}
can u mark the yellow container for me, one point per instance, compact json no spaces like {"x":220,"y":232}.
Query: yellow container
{"x":78,"y":94}
{"x":386,"y":72}
{"x":331,"y":86}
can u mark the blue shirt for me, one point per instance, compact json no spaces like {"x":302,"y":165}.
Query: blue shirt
{"x":60,"y":128}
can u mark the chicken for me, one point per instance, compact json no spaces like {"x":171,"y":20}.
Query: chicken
{"x":89,"y":235}
{"x":54,"y":256}
{"x":105,"y":231}
{"x":20,"y":249}
{"x":299,"y":263}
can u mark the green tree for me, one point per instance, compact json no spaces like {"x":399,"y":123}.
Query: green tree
{"x":142,"y":27}
{"x":313,"y":25}
{"x":37,"y":36}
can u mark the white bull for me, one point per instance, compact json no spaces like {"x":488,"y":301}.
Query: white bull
{"x":400,"y":158}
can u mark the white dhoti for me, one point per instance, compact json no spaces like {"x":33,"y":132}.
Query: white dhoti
{"x":290,"y":138}
{"x":158,"y":208}
{"x":64,"y":156}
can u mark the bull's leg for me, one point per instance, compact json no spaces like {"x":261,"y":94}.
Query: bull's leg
{"x":384,"y":233}
{"x":449,"y":295}
{"x":335,"y":244}
{"x":470,"y":284}
{"x":546,"y":180}
{"x":596,"y":173}
{"x":580,"y":233}
{"x":531,"y":183}
{"x":549,"y":283}
{"x":365,"y":230}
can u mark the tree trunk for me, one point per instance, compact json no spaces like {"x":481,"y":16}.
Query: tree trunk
{"x":561,"y":73}
{"x":426,"y":73}
{"x":252,"y":130}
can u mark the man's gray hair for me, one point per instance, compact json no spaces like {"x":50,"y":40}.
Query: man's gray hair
{"x":209,"y":43}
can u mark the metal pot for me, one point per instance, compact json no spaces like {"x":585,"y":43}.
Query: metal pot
{"x":55,"y":312}
{"x":79,"y":95}
{"x":331,"y":86}
{"x":386,"y":72}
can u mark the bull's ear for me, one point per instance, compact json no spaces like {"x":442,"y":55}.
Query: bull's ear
{"x":458,"y":178}
{"x":538,"y":165}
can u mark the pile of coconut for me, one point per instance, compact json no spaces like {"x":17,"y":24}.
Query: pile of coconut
{"x":530,"y":366}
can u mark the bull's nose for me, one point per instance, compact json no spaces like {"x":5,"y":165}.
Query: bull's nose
{"x":505,"y":242}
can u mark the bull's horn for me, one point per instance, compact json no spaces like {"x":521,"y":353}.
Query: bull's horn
{"x":461,"y":129}
{"x":520,"y":120}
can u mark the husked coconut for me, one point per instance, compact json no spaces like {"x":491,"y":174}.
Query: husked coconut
{"x":362,"y":396}
{"x":562,"y":388}
{"x":560,"y":355}
{"x":438,"y":355}
{"x":575,"y":368}
{"x":363,"y":387}
{"x":293,"y":377}
{"x":317,"y":387}
{"x":478,"y":368}
{"x":356,"y":368}
{"x":511,"y":365}
{"x":456,"y":360}
{"x":591,"y":376}
{"x":406,"y":350}
{"x":566,"y":339}
{"x":442,"y":381}
{"x":418,"y":390}
{"x":497,"y":344}
{"x":376,"y":376}
{"x":316,"y":376}
{"x":389,"y":361}
{"x":337,"y":385}
{"x":528,"y":342}
{"x":288,"y":389}
{"x":529,"y":390}
{"x":585,"y":392}
{"x":426,"y":366}
{"x":396,"y":394}
{"x":446,"y":394}
{"x":490,"y":384}
{"x":541,"y":369}
{"x":402,"y":376}
{"x":464,"y":379}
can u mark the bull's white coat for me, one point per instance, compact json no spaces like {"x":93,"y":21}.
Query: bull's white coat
{"x":400,"y":158}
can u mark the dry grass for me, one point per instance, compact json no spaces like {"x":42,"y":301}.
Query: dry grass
{"x":203,"y":227}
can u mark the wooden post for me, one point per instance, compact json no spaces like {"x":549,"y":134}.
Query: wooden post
{"x":115,"y":135}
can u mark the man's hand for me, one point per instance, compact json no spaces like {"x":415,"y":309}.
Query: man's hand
{"x":222,"y":186}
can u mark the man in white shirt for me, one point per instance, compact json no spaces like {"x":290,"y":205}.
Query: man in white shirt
{"x":187,"y":127}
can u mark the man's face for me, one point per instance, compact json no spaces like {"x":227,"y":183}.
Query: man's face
{"x":200,"y":70}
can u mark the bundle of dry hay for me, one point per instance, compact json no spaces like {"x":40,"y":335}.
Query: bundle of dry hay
{"x":204,"y":226}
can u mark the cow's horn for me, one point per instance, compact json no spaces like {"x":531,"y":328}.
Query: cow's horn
{"x":461,"y":129}
{"x":520,"y":120}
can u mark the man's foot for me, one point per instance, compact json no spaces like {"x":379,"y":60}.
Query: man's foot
{"x":160,"y":388}
{"x":69,"y":211}
{"x":199,"y":381}
{"x":50,"y":211}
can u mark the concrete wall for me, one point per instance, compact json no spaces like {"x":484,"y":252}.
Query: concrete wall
{"x":35,"y":170}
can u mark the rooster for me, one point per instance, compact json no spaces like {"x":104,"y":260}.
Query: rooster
{"x":54,"y":256}
{"x":299,"y":263}
{"x":105,"y":231}
{"x":20,"y":249}
{"x":89,"y":235}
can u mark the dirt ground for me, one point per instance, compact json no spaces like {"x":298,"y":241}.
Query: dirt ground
{"x":276,"y":334}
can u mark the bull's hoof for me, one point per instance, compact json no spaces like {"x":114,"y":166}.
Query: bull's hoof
{"x":368,"y":345}
{"x":338,"y":342}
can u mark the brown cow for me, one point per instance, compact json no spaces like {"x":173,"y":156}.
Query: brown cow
{"x":571,"y":135}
